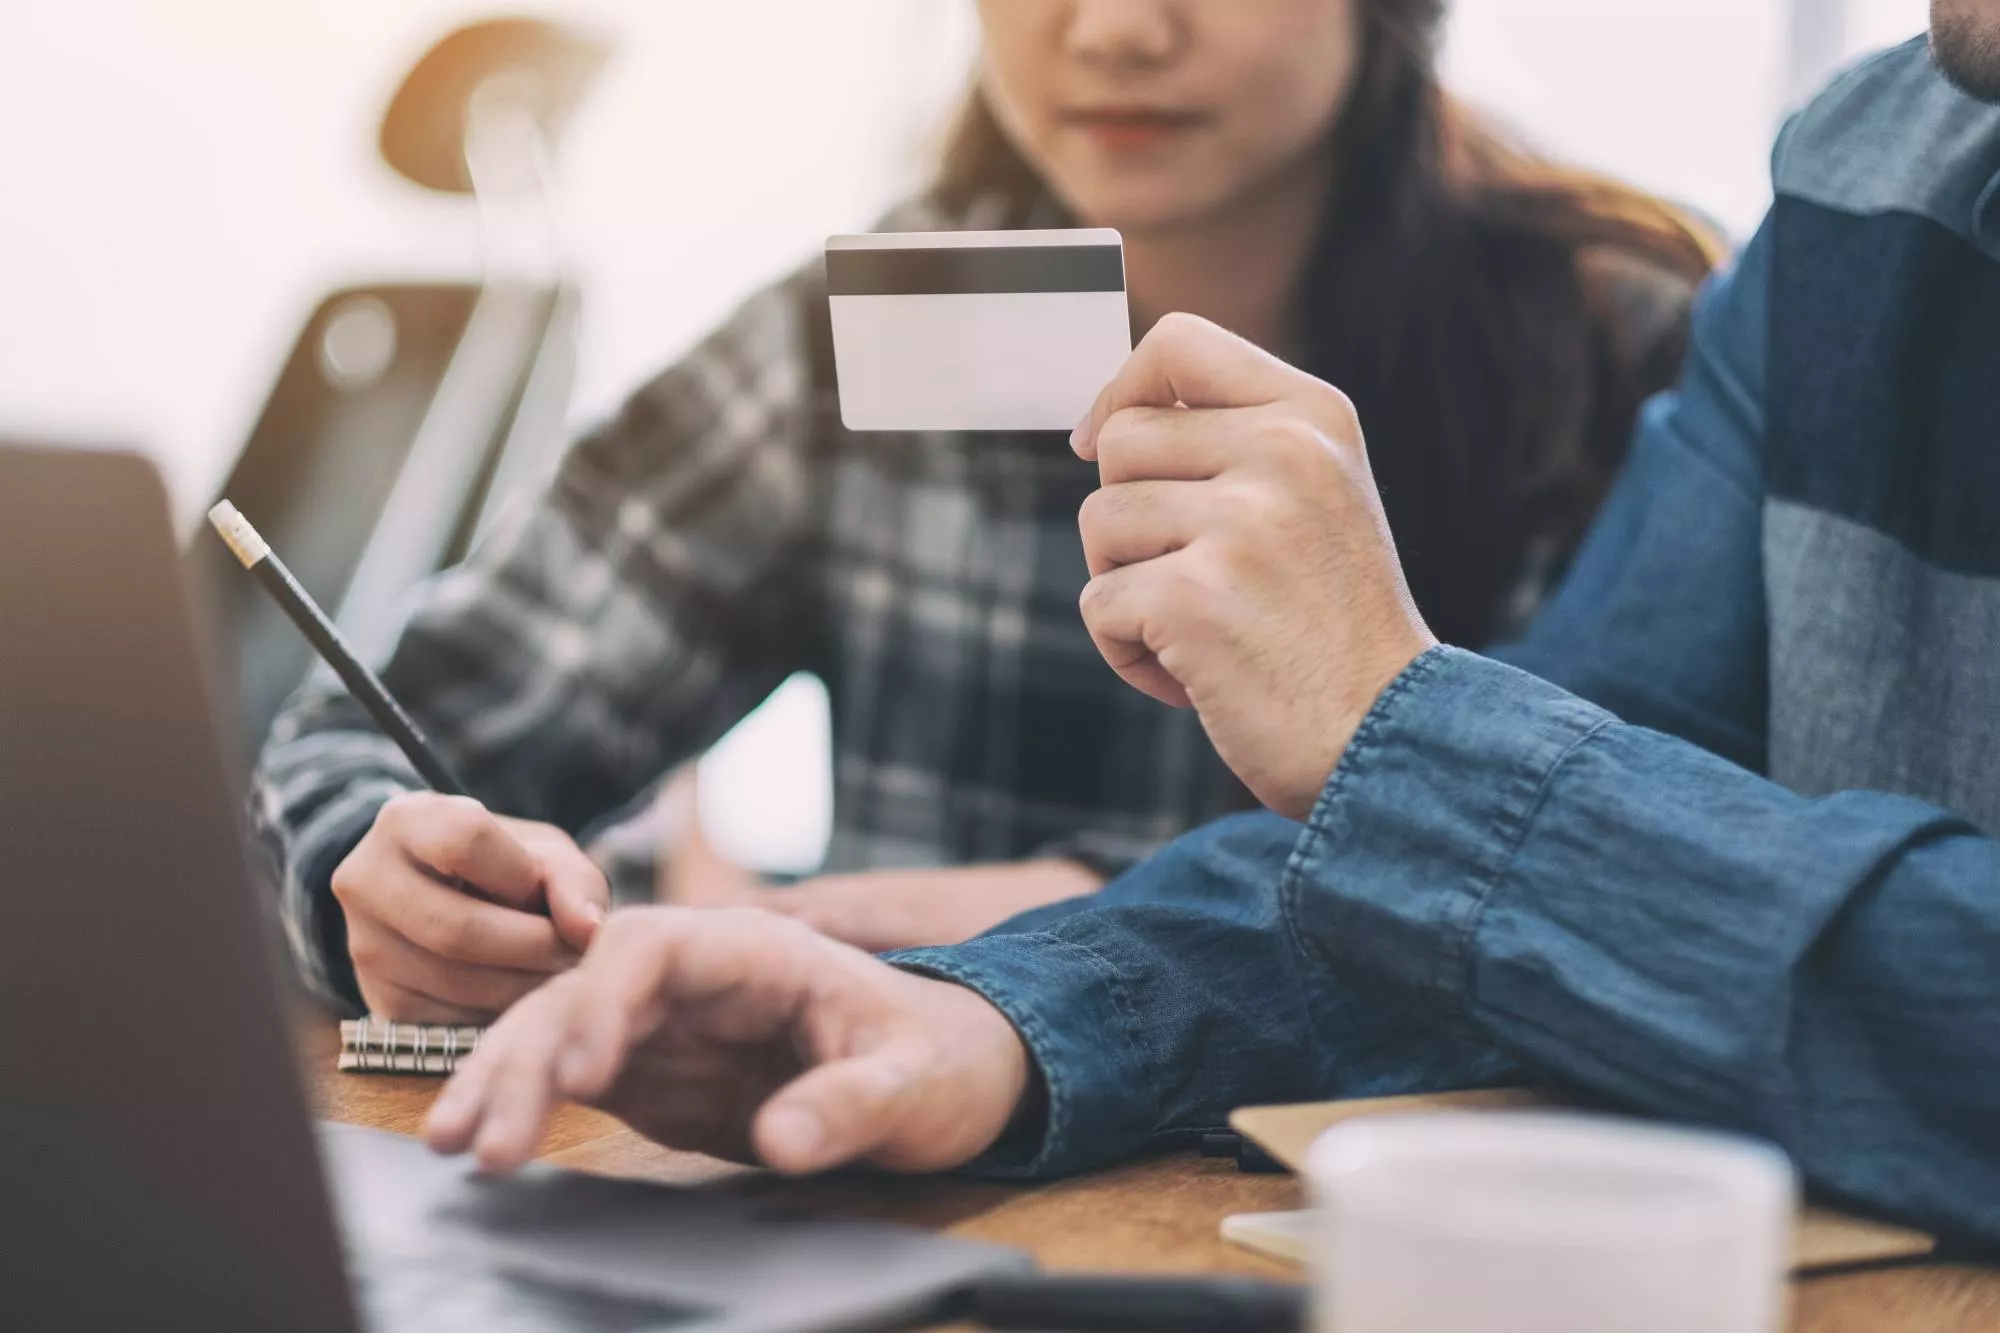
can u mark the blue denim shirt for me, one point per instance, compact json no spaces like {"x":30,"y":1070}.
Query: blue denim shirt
{"x":1588,"y":874}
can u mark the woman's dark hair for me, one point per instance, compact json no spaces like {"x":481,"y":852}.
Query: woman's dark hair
{"x":1461,"y":294}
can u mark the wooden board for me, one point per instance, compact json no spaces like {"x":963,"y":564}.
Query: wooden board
{"x":1160,"y":1215}
{"x":1822,"y":1239}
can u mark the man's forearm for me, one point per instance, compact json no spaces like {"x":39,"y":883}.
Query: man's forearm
{"x":1177,"y":994}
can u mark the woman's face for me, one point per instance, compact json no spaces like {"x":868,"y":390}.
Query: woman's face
{"x":1150,"y":114}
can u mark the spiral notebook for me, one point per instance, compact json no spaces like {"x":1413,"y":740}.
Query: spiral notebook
{"x":381,"y":1046}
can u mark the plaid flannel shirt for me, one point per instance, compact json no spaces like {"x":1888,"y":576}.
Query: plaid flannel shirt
{"x":720,"y":533}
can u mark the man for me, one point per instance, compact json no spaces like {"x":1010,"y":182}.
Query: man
{"x":1493,"y":878}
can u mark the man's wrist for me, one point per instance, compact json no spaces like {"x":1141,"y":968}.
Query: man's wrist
{"x":1072,"y":1026}
{"x":1335,"y":738}
{"x":1007,"y":1090}
{"x":1028,"y":1126}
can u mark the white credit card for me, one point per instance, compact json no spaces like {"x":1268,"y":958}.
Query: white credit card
{"x":976,"y":330}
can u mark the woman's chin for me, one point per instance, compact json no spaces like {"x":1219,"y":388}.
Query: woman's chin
{"x":1140,"y":207}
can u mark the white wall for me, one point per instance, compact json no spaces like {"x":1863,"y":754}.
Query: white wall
{"x":1680,"y":96}
{"x":180,"y":179}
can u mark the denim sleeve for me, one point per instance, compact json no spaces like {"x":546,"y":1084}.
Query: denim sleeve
{"x":1661,"y":618}
{"x":1636,"y":917}
{"x":1179,"y":993}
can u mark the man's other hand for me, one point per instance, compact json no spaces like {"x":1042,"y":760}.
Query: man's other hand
{"x":453,"y":913}
{"x":1241,"y":562}
{"x":748,"y":1036}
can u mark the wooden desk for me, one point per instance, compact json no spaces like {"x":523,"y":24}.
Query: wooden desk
{"x":1154,"y":1216}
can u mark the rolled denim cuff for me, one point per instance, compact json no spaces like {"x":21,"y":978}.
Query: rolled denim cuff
{"x":1082,"y":1032}
{"x":1420,"y":821}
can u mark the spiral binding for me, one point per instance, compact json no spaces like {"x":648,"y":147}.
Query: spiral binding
{"x":384,"y":1046}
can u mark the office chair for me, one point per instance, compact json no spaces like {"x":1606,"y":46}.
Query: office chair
{"x":406,"y":411}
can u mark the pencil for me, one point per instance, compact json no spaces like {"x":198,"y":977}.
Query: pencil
{"x":260,"y":560}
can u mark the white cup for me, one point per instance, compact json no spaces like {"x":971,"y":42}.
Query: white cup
{"x":1547,"y":1223}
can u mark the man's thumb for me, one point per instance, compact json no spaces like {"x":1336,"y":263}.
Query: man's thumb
{"x":834,"y":1114}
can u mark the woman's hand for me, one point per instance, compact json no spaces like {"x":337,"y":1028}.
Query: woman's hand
{"x":913,"y":909}
{"x":453,"y":912}
{"x":883,"y":910}
{"x":747,"y":1036}
{"x":1241,"y":562}
{"x":879,"y":910}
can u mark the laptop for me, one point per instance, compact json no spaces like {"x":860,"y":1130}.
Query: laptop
{"x":159,"y":1166}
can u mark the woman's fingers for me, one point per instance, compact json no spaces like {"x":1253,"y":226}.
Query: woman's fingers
{"x":456,"y":838}
{"x":410,"y":1004}
{"x":446,"y":902}
{"x":453,"y":925}
{"x":577,"y":892}
{"x":409,"y":983}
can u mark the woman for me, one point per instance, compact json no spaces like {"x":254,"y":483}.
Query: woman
{"x":1496,"y":321}
{"x":1287,"y":168}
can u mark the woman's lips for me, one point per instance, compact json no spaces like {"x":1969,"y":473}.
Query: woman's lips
{"x":1133,"y":129}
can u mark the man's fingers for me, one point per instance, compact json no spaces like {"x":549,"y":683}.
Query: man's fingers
{"x":690,"y":955}
{"x":1122,"y":612}
{"x":456,"y":838}
{"x":454,"y":1116}
{"x":605,"y":1018}
{"x":650,"y":960}
{"x":1144,"y":673}
{"x":498,"y":1100}
{"x":1136,"y":521}
{"x":520,"y":1088}
{"x":1167,"y":444}
{"x":1188,"y":361}
{"x":835,"y":1113}
{"x":741,"y":975}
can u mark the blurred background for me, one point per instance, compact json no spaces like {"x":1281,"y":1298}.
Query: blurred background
{"x":186,"y":181}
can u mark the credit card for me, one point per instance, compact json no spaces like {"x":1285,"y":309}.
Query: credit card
{"x":976,"y":330}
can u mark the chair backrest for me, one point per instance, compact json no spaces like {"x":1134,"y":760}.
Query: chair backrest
{"x":400,"y":415}
{"x":406,"y":413}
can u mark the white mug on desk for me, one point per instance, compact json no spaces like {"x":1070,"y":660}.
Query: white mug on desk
{"x":1547,"y":1223}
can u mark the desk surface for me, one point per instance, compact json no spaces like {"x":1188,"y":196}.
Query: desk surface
{"x":1160,"y":1215}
